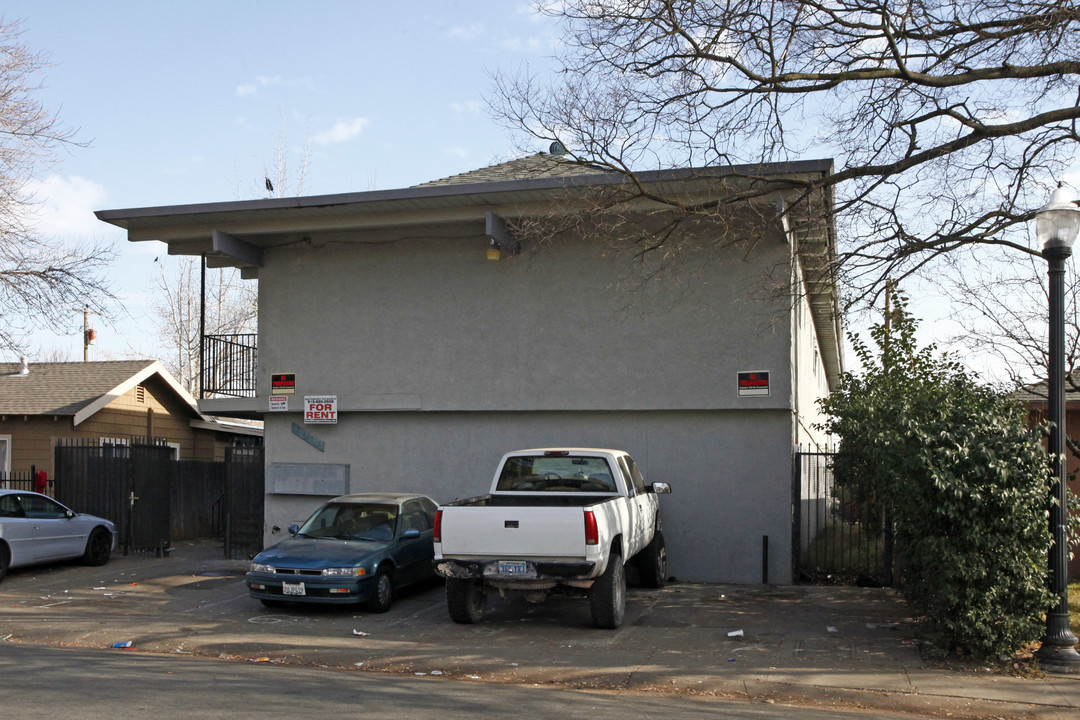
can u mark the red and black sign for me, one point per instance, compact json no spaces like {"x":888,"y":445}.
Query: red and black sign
{"x":754,"y":384}
{"x":283,"y":383}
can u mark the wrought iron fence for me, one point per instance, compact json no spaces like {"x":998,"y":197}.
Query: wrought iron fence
{"x":155,"y":500}
{"x":17,"y":480}
{"x":841,"y":534}
{"x":244,"y":501}
{"x":229,"y":365}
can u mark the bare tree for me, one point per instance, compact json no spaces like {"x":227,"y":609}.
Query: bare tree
{"x":948,"y":121}
{"x":231,"y":308}
{"x":1002,"y":308}
{"x":276,"y":175}
{"x":40,"y":278}
{"x":231,"y":301}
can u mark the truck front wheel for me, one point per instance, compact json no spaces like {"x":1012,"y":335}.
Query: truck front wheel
{"x":465,"y":599}
{"x":652,"y":563}
{"x":607,"y":596}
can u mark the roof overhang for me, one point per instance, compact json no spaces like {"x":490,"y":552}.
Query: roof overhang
{"x":226,"y":426}
{"x":237,"y":233}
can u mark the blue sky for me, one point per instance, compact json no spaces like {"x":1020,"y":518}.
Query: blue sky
{"x":184,"y":103}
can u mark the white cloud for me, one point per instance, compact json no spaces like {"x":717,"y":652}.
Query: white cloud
{"x":65,"y":206}
{"x":342,"y":131}
{"x":457,"y":151}
{"x":529,"y":44}
{"x":263,"y":82}
{"x":467,"y":32}
{"x":469,"y":107}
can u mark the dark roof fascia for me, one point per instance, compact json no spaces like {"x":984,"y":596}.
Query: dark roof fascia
{"x":799,"y":167}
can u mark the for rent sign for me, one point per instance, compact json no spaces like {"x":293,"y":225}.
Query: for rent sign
{"x":320,"y":409}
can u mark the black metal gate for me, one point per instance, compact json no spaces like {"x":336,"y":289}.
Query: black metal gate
{"x":126,"y":482}
{"x":839,"y":534}
{"x":244,"y":501}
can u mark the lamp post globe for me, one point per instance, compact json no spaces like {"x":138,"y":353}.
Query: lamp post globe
{"x":1056,"y":227}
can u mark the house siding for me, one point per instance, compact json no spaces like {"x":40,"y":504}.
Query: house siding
{"x":33,"y":437}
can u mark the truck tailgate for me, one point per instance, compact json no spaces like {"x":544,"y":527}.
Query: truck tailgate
{"x":513,"y":532}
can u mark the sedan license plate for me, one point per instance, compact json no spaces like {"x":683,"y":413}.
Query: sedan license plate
{"x":513,"y":567}
{"x":288,"y":588}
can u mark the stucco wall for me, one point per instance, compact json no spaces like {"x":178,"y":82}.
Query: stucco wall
{"x":561,"y":346}
{"x":431,"y":324}
{"x":729,"y":471}
{"x":811,"y":382}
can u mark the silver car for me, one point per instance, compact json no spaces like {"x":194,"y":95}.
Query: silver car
{"x":35,"y":529}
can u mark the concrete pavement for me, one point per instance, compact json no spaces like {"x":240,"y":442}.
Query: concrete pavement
{"x":822,"y":646}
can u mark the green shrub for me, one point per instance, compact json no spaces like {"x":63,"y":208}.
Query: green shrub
{"x":968,"y":483}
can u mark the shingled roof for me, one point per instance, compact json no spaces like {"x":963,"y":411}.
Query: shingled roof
{"x":530,"y":167}
{"x":75,"y":388}
{"x":1037,"y":393}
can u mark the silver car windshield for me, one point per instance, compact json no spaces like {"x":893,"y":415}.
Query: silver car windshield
{"x":352,"y":521}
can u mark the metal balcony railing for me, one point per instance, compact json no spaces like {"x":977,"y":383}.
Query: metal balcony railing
{"x":228,"y":365}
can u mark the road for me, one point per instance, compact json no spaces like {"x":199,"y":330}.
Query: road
{"x":42,"y":682}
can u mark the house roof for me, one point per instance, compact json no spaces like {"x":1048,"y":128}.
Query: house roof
{"x":235,"y":234}
{"x":540,"y":165}
{"x":77,"y":388}
{"x":1037,"y":393}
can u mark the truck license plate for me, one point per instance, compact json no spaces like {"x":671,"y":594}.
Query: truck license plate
{"x":512,"y":567}
{"x":293,"y":588}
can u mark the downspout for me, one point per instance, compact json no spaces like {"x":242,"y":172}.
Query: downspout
{"x":202,"y":326}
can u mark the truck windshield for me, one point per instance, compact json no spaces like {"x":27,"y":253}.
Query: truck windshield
{"x":560,"y":474}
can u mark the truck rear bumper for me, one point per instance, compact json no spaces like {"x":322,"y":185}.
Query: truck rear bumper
{"x":496,"y":570}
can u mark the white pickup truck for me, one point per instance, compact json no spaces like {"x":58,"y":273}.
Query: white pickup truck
{"x":556,"y":519}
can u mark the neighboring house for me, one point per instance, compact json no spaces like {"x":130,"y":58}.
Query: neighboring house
{"x":1034,"y":396}
{"x":432,"y":360}
{"x":109,"y":402}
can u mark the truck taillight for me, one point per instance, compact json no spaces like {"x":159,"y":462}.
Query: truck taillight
{"x":438,"y":526}
{"x":592,"y":535}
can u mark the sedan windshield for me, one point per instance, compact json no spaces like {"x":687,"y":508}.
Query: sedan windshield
{"x":352,"y":521}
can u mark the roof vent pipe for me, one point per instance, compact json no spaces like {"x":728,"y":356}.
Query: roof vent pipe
{"x":557,"y":148}
{"x":25,"y":369}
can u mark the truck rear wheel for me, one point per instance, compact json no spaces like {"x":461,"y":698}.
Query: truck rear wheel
{"x":607,"y":596}
{"x":465,"y":599}
{"x":652,"y":563}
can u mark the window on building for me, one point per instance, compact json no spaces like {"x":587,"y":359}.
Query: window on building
{"x":5,"y":455}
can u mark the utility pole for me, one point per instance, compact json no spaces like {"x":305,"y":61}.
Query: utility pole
{"x":89,"y":335}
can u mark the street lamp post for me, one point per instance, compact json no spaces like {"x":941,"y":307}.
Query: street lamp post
{"x":1056,"y":226}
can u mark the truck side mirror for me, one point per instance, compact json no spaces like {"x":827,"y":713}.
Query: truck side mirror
{"x":293,"y":529}
{"x":660,"y":488}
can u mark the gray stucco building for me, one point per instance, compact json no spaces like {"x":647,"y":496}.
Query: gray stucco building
{"x":703,"y":360}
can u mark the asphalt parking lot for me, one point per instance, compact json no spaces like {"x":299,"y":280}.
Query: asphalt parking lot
{"x":817,"y":645}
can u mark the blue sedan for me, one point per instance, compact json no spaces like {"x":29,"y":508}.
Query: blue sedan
{"x":358,"y":548}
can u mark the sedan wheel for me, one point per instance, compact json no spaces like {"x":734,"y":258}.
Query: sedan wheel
{"x":98,"y":547}
{"x":382,"y":595}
